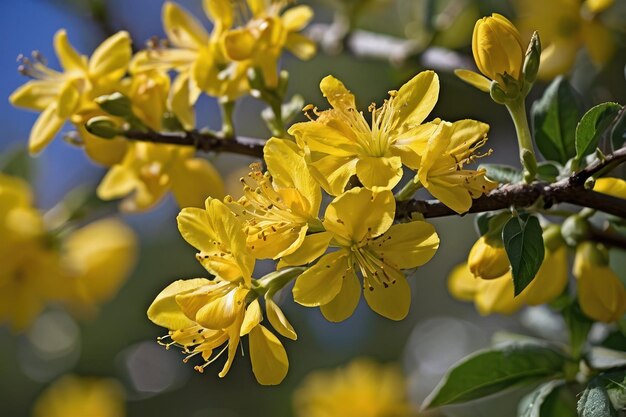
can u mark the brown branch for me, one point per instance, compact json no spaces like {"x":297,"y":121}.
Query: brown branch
{"x":608,"y":238}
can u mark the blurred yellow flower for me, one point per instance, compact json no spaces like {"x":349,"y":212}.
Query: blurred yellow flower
{"x":82,"y":269}
{"x":69,"y":95}
{"x":487,"y":259}
{"x":359,"y":223}
{"x":72,"y":396}
{"x":363,"y":388}
{"x":601,"y":294}
{"x":611,"y":186}
{"x":566,"y":26}
{"x":285,"y":202}
{"x":149,"y":170}
{"x":340,"y":143}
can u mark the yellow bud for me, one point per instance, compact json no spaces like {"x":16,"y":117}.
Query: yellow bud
{"x":497,"y":47}
{"x":601,"y":294}
{"x":487,"y":261}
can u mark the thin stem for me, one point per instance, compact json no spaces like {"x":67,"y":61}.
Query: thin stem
{"x":228,"y":129}
{"x":409,"y":189}
{"x":517,"y":110}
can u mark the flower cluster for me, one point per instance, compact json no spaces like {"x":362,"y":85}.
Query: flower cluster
{"x":79,"y":268}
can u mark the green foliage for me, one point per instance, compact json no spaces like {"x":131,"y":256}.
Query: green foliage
{"x":491,"y":224}
{"x":548,"y":171}
{"x":554,"y":118}
{"x":502,"y":173}
{"x":18,"y":163}
{"x":490,"y":371}
{"x":618,"y":134}
{"x":523,"y":242}
{"x":550,"y":399}
{"x":595,"y":401}
{"x":592,"y":126}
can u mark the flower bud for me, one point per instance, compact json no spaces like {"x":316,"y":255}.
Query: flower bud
{"x":487,"y":261}
{"x":575,"y":229}
{"x":116,"y":104}
{"x":103,"y":127}
{"x":601,"y":294}
{"x":497,"y":48}
{"x":532,"y":59}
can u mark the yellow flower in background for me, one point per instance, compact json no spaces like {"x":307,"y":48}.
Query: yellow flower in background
{"x":497,"y":295}
{"x":279,"y":210}
{"x":601,"y":294}
{"x":615,"y":187}
{"x":567,"y":26}
{"x":149,"y":170}
{"x":81,"y":270}
{"x":487,"y":260}
{"x":72,"y":396}
{"x":68,"y":95}
{"x":441,"y":164}
{"x":362,"y":388}
{"x":261,"y":41}
{"x":359,"y":223}
{"x":340,"y":143}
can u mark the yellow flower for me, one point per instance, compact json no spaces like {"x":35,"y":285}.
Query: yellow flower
{"x":601,"y":294}
{"x":72,"y":396}
{"x":441,"y":164}
{"x":486,"y":260}
{"x":149,"y":170}
{"x":497,"y":48}
{"x":341,"y":143}
{"x":615,"y":187}
{"x":68,"y":95}
{"x":566,"y":26}
{"x":278,"y":211}
{"x":83,"y":269}
{"x":363,"y":388}
{"x":261,"y":41}
{"x":359,"y":223}
{"x":497,"y":295}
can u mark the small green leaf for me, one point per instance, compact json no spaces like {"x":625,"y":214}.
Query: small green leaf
{"x":18,"y":163}
{"x":618,"y":134}
{"x":548,"y":171}
{"x":554,"y":119}
{"x":551,"y":399}
{"x":578,"y":325}
{"x":489,"y":371}
{"x":523,"y":242}
{"x":592,"y":126}
{"x":492,"y":223}
{"x":502,"y":173}
{"x":595,"y":401}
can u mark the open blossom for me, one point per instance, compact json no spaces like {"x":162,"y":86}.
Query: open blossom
{"x":69,"y":94}
{"x":359,"y":224}
{"x":340,"y":143}
{"x":205,"y":315}
{"x":281,"y":207}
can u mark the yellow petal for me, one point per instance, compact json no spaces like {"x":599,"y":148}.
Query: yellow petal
{"x":223,"y":311}
{"x":239,"y":44}
{"x":69,"y":98}
{"x":220,"y":12}
{"x":611,"y":186}
{"x":45,"y":129}
{"x":599,"y":42}
{"x":233,"y":343}
{"x":180,"y":102}
{"x":278,"y":320}
{"x":557,"y":58}
{"x":329,"y":138}
{"x":165,"y":312}
{"x":193,"y":180}
{"x":322,"y":282}
{"x":497,"y":296}
{"x":118,"y":182}
{"x":598,"y":6}
{"x":252,"y":318}
{"x":182,"y":29}
{"x":296,"y":18}
{"x":257,"y":7}
{"x":462,"y":284}
{"x":487,"y":260}
{"x":35,"y":95}
{"x":106,"y":152}
{"x":312,"y":247}
{"x":343,"y":305}
{"x":333,"y":173}
{"x":551,"y":279}
{"x":455,"y":197}
{"x":601,"y":294}
{"x":110,"y":60}
{"x":269,"y":359}
{"x":69,"y":59}
{"x":416,"y":99}
{"x":407,"y":245}
{"x":300,"y":46}
{"x":392,"y":301}
{"x":379,"y":174}
{"x":474,"y":79}
{"x":337,"y":94}
{"x":411,"y":144}
{"x":358,"y":213}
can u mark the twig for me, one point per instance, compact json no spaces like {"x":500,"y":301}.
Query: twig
{"x":611,"y":239}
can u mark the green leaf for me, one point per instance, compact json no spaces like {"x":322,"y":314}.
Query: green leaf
{"x":502,"y":173}
{"x":592,"y":126}
{"x":548,"y":171}
{"x":618,"y":134}
{"x":523,"y":242}
{"x":17,"y":162}
{"x":551,"y":399}
{"x":578,"y":325}
{"x":492,"y":223}
{"x":595,"y":401}
{"x":554,"y":119}
{"x":490,"y":371}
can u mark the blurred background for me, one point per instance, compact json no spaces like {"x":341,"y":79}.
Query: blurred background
{"x":120,"y":342}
